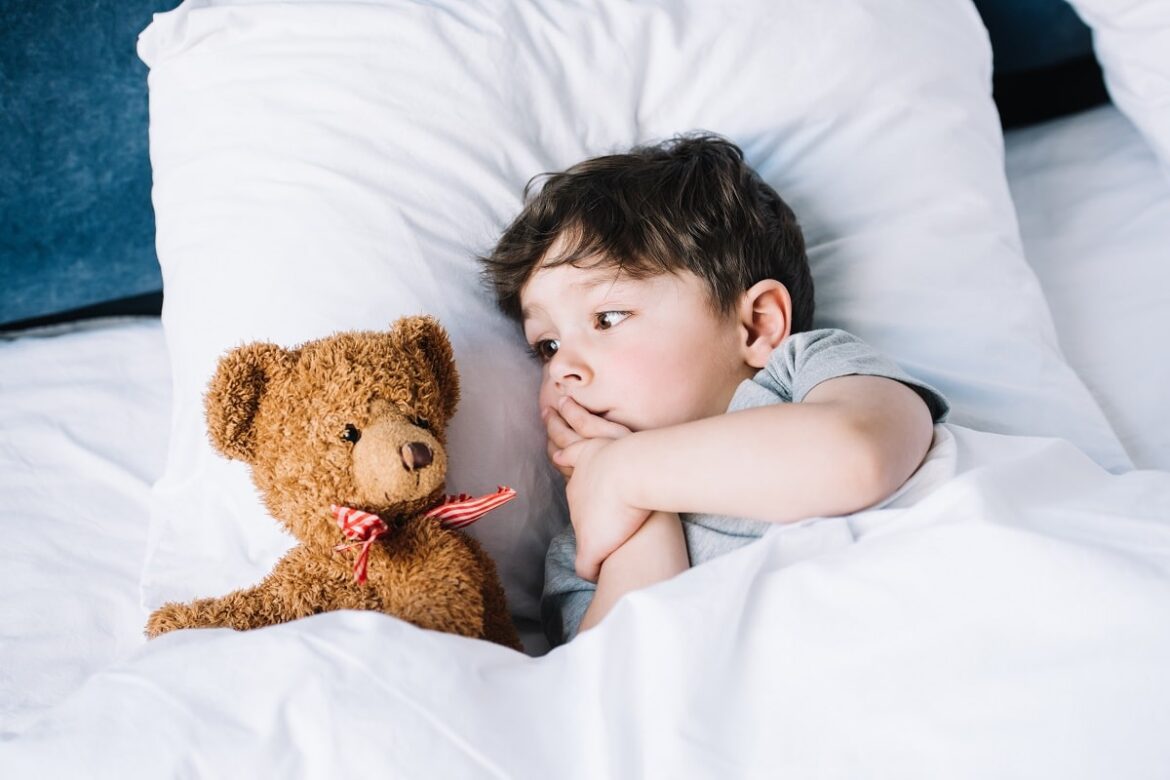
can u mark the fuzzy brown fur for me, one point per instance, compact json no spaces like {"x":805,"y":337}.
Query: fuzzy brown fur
{"x":285,"y":413}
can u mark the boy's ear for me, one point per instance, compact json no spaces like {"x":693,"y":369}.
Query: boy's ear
{"x":765,"y":319}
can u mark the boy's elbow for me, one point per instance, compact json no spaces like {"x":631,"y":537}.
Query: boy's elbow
{"x":870,"y":476}
{"x":881,"y":460}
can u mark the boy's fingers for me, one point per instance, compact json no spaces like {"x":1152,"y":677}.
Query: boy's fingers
{"x":588,"y":424}
{"x":560,"y":432}
{"x":568,"y":455}
{"x":553,"y":449}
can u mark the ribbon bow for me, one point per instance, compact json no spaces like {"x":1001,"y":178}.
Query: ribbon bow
{"x":453,"y":512}
{"x":363,"y":527}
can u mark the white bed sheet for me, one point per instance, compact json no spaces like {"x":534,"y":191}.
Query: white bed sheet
{"x":1076,"y":565}
{"x":84,"y":411}
{"x":1011,"y":623}
{"x":1094,"y":213}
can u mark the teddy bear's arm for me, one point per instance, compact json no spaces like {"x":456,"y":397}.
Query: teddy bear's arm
{"x":282,"y":596}
{"x":241,"y":610}
{"x":173,"y":615}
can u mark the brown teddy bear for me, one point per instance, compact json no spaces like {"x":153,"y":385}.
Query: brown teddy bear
{"x":345,"y":437}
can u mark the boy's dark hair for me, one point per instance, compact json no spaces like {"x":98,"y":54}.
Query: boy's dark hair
{"x":688,"y":203}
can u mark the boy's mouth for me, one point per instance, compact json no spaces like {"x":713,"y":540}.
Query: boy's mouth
{"x":595,"y":413}
{"x":608,"y":417}
{"x":606,"y":414}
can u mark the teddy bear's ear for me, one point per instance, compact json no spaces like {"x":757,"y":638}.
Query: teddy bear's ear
{"x":234,"y":394}
{"x":425,"y":337}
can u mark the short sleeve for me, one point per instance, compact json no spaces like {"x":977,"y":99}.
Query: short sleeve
{"x":804,"y":360}
{"x":566,"y":596}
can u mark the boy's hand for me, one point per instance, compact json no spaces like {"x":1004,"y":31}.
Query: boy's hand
{"x":601,"y":519}
{"x":571,"y":422}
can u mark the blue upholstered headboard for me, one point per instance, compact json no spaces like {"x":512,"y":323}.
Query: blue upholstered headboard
{"x":76,"y":221}
{"x":1032,"y":34}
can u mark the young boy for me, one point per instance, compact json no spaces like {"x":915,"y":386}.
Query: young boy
{"x":688,"y":404}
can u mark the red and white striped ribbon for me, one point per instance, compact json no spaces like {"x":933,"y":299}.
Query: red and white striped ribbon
{"x":454,"y":512}
{"x":363,"y":527}
{"x":463,"y":510}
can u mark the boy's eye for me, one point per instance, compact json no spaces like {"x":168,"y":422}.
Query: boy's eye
{"x":544,"y":349}
{"x":607,"y":319}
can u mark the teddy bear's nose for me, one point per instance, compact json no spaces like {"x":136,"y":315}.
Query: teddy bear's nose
{"x":416,"y":455}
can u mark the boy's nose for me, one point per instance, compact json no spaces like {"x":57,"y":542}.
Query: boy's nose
{"x":568,"y":378}
{"x":567,"y":369}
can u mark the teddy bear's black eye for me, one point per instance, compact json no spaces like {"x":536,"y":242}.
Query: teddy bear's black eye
{"x":351,"y":434}
{"x":421,"y":423}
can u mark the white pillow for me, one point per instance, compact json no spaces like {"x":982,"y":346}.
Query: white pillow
{"x":1094,"y":215}
{"x":1132,"y":41}
{"x":330,"y":165}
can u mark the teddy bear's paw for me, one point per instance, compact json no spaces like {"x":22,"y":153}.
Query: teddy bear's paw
{"x":168,"y":617}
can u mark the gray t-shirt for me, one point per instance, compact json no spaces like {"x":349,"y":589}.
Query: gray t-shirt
{"x":800,"y":363}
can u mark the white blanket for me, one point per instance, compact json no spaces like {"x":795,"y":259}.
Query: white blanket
{"x":1012,"y":622}
{"x":84,"y":411}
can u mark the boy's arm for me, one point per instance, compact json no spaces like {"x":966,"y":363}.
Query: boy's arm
{"x":851,"y":442}
{"x":657,"y":551}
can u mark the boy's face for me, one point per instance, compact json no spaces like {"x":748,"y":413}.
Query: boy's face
{"x":644,"y":353}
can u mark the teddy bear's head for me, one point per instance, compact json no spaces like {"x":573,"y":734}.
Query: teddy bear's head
{"x":357,"y":419}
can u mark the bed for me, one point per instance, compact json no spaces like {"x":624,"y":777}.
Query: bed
{"x":1005,"y":616}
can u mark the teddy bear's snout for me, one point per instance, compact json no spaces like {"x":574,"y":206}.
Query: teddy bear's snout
{"x":395,"y":462}
{"x":416,"y":455}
